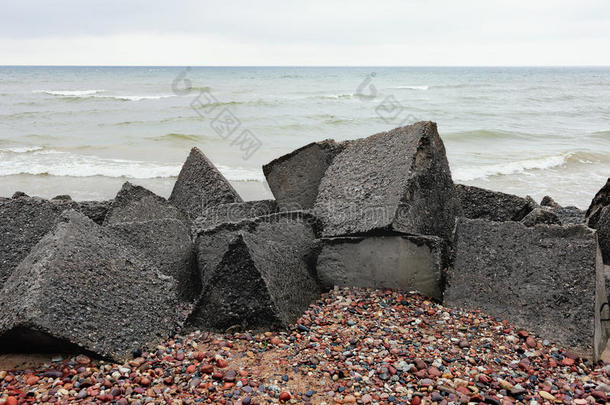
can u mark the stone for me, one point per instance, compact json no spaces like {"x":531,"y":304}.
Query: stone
{"x":256,"y":274}
{"x":547,"y":201}
{"x":480,"y":203}
{"x":135,"y":203}
{"x":23,"y":222}
{"x":166,"y":245}
{"x":233,"y":212}
{"x":601,"y":199}
{"x":79,"y":289}
{"x":399,"y":262}
{"x":603,"y":233}
{"x":200,"y":185}
{"x":395,"y":181}
{"x":548,"y":279}
{"x":569,"y":215}
{"x":294,"y":178}
{"x":95,"y":210}
{"x":540,"y":216}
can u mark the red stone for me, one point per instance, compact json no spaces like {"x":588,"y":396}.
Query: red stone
{"x":531,"y":342}
{"x":11,"y":400}
{"x":284,"y":396}
{"x":207,"y":368}
{"x":567,"y":362}
{"x":221,"y":363}
{"x":416,"y":400}
{"x":191,"y":369}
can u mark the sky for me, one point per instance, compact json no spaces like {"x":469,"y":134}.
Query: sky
{"x":305,"y":33}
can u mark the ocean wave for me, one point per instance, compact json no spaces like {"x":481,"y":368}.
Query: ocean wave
{"x":481,"y":134}
{"x":524,"y":166}
{"x":69,"y":93}
{"x":413,"y":87}
{"x":176,"y":137}
{"x":50,"y":162}
{"x":21,"y":149}
{"x":86,"y":94}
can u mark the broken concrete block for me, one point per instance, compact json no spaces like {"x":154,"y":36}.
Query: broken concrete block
{"x":166,"y":245}
{"x":399,"y":262}
{"x":233,"y":212}
{"x":79,"y":288}
{"x":603,"y":233}
{"x":480,"y":203}
{"x":255,"y":273}
{"x":23,"y":222}
{"x":540,"y":216}
{"x":392,"y":181}
{"x":601,"y":200}
{"x":200,"y":185}
{"x":135,"y":203}
{"x":544,"y":278}
{"x":294,"y":178}
{"x":95,"y":210}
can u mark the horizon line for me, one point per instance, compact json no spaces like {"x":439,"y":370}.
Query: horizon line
{"x":322,"y":66}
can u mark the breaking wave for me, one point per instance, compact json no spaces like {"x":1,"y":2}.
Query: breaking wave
{"x":413,"y":87}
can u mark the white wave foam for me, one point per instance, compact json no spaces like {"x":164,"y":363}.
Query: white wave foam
{"x":522,"y":166}
{"x":58,"y":163}
{"x":96,"y":94}
{"x":414,"y":87}
{"x":69,"y":93}
{"x":21,"y":149}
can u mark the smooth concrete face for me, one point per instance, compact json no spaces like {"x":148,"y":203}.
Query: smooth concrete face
{"x":397,"y":262}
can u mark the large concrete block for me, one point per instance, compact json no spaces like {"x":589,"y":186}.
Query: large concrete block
{"x":256,"y":273}
{"x":601,"y":200}
{"x":80,"y":288}
{"x":480,"y":203}
{"x":95,"y":210}
{"x":399,"y":262}
{"x":392,"y":181}
{"x":547,"y":278}
{"x":166,"y":245}
{"x":294,"y":178}
{"x":603,"y":233}
{"x":233,"y":212}
{"x":200,"y":185}
{"x":135,"y":203}
{"x":23,"y":222}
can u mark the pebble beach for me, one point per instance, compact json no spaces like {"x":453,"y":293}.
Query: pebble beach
{"x":351,"y":346}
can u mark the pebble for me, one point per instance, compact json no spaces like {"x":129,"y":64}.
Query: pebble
{"x":352,"y":346}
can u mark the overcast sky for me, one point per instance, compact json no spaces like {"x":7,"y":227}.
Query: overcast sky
{"x":302,"y":32}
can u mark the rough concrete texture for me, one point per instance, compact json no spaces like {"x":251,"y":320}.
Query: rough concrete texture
{"x":256,"y":274}
{"x":78,"y":287}
{"x":547,"y":201}
{"x":95,"y":210}
{"x":480,"y":203}
{"x":392,"y":181}
{"x":294,"y":178}
{"x":135,"y":203}
{"x":200,"y":185}
{"x":233,"y":212}
{"x":23,"y":222}
{"x":569,"y":215}
{"x":601,"y":199}
{"x":603,"y":233}
{"x":544,"y":278}
{"x":166,"y":245}
{"x":398,"y":262}
{"x":540,"y":216}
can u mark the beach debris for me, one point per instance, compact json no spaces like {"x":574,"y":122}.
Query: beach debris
{"x":541,"y":216}
{"x":294,"y":178}
{"x":135,"y":203}
{"x":233,"y":212}
{"x":480,"y":203}
{"x":400,"y":262}
{"x":23,"y":222}
{"x":200,"y":185}
{"x":544,"y":278}
{"x":255,"y":273}
{"x":80,"y":289}
{"x":391,"y":181}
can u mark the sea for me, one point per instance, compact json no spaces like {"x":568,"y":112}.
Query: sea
{"x":83,"y":131}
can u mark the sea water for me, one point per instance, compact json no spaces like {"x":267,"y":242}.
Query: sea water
{"x":83,"y":131}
